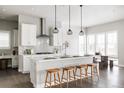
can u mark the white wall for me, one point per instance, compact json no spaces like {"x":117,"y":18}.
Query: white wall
{"x":73,"y":40}
{"x":113,"y":26}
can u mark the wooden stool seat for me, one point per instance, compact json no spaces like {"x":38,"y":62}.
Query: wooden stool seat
{"x":94,"y":66}
{"x":68,"y":71}
{"x":80,"y":67}
{"x":53,"y":71}
{"x":69,"y":68}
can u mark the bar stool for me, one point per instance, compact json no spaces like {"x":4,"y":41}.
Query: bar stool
{"x":68,"y":71}
{"x":80,"y":67}
{"x":93,"y":66}
{"x":53,"y":71}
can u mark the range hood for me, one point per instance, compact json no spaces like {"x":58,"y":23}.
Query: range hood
{"x":43,"y":29}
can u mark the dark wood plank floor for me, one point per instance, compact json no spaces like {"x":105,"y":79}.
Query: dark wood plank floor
{"x":109,"y":78}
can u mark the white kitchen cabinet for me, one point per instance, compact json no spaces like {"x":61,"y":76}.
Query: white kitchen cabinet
{"x":25,"y":61}
{"x":15,"y":62}
{"x":28,"y":35}
{"x":15,"y":38}
{"x":24,"y":64}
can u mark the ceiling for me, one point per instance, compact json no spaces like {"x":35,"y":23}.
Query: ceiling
{"x":92,"y":14}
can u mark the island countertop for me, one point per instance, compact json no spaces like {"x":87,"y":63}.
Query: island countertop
{"x":39,"y":67}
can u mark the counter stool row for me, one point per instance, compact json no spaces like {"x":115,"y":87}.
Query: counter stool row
{"x":71,"y":74}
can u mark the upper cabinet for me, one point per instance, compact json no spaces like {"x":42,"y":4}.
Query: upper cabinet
{"x":28,"y":35}
{"x":15,"y":38}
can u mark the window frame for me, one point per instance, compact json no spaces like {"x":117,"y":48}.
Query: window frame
{"x":94,"y":43}
{"x":5,"y":31}
{"x":106,"y":38}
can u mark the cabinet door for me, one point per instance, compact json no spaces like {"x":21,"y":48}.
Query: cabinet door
{"x":15,"y":62}
{"x":26,"y":64}
{"x":15,"y":38}
{"x":32,"y":37}
{"x":28,"y":35}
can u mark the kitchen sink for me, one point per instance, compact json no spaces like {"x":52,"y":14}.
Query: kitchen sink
{"x":47,"y":58}
{"x":65,"y":57}
{"x":77,"y":56}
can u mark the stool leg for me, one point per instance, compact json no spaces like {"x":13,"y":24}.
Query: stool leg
{"x":92,"y":72}
{"x":62,"y":75}
{"x":69,"y":76}
{"x":67,"y":79}
{"x":59,"y":78}
{"x":86,"y":71}
{"x":50,"y":79}
{"x":97,"y":71}
{"x":54,"y":78}
{"x":80,"y":73}
{"x":74,"y":74}
{"x":46,"y":79}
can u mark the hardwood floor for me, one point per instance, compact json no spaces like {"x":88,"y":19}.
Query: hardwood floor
{"x":13,"y":79}
{"x":109,"y":78}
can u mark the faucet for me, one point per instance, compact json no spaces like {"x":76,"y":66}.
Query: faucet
{"x":65,"y":45}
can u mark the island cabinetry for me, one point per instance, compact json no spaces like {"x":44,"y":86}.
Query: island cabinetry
{"x":25,"y":61}
{"x":39,"y":67}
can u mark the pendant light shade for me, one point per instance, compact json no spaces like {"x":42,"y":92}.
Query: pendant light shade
{"x":69,"y":32}
{"x":55,"y":29}
{"x":81,"y":32}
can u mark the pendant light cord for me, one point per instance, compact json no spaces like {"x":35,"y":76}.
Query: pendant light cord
{"x":55,"y":15}
{"x":69,"y":16}
{"x":81,"y":17}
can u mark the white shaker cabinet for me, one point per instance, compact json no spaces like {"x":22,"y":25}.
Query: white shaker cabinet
{"x":28,"y":35}
{"x":15,"y":62}
{"x":24,"y":64}
{"x":15,"y":37}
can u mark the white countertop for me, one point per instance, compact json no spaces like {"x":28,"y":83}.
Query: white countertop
{"x":7,"y":56}
{"x":58,"y":58}
{"x":38,"y":68}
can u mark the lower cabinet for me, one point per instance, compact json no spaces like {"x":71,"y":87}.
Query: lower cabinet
{"x":24,"y":64}
{"x":15,"y":62}
{"x":25,"y":61}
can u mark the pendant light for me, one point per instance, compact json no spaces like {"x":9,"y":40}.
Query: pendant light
{"x":81,"y":32}
{"x":55,"y":29}
{"x":69,"y":32}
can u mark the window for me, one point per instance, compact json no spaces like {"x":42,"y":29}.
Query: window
{"x":112,"y":44}
{"x":4,"y":39}
{"x":91,"y":44}
{"x":82,"y":44}
{"x":100,"y":43}
{"x":105,"y":43}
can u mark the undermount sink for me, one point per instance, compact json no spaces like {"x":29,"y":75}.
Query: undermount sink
{"x":47,"y":58}
{"x":65,"y":57}
{"x":76,"y":56}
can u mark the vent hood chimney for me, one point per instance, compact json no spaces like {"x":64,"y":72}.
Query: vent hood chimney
{"x":43,"y":29}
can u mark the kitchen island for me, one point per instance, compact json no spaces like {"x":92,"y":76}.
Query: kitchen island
{"x":39,"y":67}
